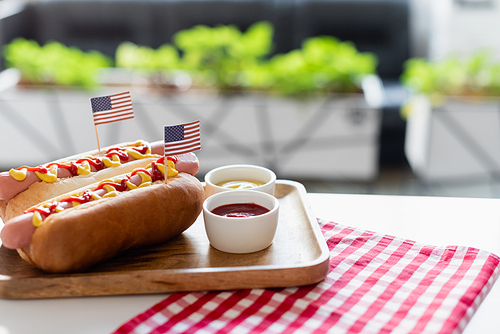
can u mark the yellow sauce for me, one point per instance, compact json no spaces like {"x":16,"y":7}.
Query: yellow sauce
{"x":146,"y":181}
{"x":114,"y":162}
{"x":130,"y":185}
{"x":84,"y":167}
{"x":50,"y":176}
{"x":240,"y":184}
{"x":109,"y":188}
{"x":145,"y":177}
{"x":18,"y":174}
{"x":171,"y":171}
{"x":111,"y":194}
{"x":37,"y":219}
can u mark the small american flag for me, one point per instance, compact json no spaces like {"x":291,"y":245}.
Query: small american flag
{"x":182,"y":138}
{"x":112,"y":108}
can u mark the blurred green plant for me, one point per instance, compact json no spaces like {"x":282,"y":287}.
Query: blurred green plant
{"x":323,"y":64}
{"x":54,"y":63}
{"x":229,"y":59}
{"x":222,"y":53}
{"x":130,"y":55}
{"x":475,"y":74}
{"x":220,"y":56}
{"x":212,"y":55}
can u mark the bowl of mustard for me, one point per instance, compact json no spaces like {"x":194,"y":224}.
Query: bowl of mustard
{"x":240,"y":177}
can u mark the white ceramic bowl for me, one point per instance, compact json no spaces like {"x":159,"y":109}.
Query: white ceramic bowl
{"x":241,"y":235}
{"x":239,"y":173}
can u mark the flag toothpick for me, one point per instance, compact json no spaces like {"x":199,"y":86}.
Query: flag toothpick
{"x":111,"y":108}
{"x":182,"y":138}
{"x":97,"y":137}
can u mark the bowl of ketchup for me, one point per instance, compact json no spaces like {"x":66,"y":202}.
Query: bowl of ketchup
{"x":241,"y":221}
{"x":238,"y":177}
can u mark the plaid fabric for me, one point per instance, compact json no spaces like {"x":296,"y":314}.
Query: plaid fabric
{"x":376,"y":284}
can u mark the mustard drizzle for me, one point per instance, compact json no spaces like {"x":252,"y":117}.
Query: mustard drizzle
{"x":84,"y":168}
{"x":146,"y":181}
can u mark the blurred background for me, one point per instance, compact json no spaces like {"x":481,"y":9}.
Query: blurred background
{"x":396,"y":97}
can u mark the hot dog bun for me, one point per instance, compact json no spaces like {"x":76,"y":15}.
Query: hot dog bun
{"x":78,"y":238}
{"x":41,"y":191}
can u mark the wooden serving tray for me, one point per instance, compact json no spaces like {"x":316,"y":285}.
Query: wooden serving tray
{"x":298,"y":256}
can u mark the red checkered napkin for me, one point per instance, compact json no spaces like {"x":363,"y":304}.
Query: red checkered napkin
{"x":377,"y":283}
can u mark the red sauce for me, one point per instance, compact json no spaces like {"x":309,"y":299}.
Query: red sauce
{"x":87,"y":194}
{"x":121,"y":187}
{"x":140,"y":170}
{"x":40,"y":169}
{"x":157,"y":175}
{"x":84,"y":198}
{"x":96,"y":162}
{"x":240,"y":210}
{"x":171,"y":158}
{"x":45,"y":211}
{"x":121,"y":154}
{"x":142,"y":150}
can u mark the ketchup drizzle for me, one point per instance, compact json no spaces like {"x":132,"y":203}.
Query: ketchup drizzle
{"x":155,"y":175}
{"x":84,"y":198}
{"x":122,"y":186}
{"x":96,"y":162}
{"x":121,"y":154}
{"x":156,"y":172}
{"x":45,"y":211}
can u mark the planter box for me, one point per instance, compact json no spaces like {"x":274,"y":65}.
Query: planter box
{"x":336,"y":137}
{"x":456,"y":141}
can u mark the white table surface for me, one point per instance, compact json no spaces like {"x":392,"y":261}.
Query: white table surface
{"x":433,"y":220}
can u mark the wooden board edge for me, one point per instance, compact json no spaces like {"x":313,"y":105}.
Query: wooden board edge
{"x":166,"y":281}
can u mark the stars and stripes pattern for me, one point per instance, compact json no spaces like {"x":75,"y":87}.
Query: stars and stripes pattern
{"x":112,"y":108}
{"x":182,"y":138}
{"x":376,"y":284}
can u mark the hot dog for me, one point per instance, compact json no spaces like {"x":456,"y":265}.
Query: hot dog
{"x":132,"y":210}
{"x":23,"y":187}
